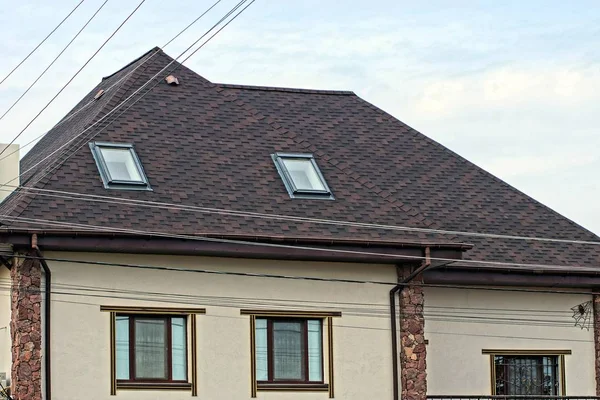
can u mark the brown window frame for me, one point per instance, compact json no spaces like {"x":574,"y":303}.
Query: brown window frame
{"x":270,"y":352}
{"x":169,"y":345}
{"x":189,"y":313}
{"x":559,"y":354}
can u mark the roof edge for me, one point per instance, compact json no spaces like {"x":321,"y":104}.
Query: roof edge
{"x":155,"y":48}
{"x":136,"y":244}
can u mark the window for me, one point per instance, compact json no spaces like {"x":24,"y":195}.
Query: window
{"x":153,"y":348}
{"x":291,"y":350}
{"x":528,"y":373}
{"x":119,"y":166}
{"x":301,"y":176}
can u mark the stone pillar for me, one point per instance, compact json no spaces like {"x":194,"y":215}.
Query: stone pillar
{"x":26,"y":330}
{"x":413,"y":353}
{"x":596,"y":308}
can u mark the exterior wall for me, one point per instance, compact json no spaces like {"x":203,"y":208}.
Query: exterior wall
{"x":9,"y":169}
{"x":80,"y":331}
{"x":455,"y":364}
{"x":5,"y":352}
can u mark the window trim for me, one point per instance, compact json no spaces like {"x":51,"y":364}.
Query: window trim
{"x":327,"y":323}
{"x":191,"y":384}
{"x":270,"y":353}
{"x":560,"y":354}
{"x":293,"y":191}
{"x":108,"y":182}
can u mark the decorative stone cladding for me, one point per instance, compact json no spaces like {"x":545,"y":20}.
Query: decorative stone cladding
{"x":413,"y":353}
{"x":26,"y":330}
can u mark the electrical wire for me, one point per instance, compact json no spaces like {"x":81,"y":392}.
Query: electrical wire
{"x":249,"y":214}
{"x":50,"y":65}
{"x":5,"y":392}
{"x":109,"y":113}
{"x":74,"y":76}
{"x":98,"y":228}
{"x":83,"y":141}
{"x":429,"y":316}
{"x":41,"y":43}
{"x":241,"y":302}
{"x":190,"y":24}
{"x":353,"y":308}
{"x":307,"y":278}
{"x":376,"y":226}
{"x":107,"y":90}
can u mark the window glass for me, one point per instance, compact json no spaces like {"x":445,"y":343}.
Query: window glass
{"x":120,"y":164}
{"x":261,"y":350}
{"x":288,"y":351}
{"x":303,"y":174}
{"x":315,"y":350}
{"x":178,"y":349}
{"x":122,"y":347}
{"x":150,"y":349}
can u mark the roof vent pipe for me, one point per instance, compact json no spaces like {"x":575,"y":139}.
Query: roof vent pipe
{"x":9,"y":169}
{"x":171,"y":80}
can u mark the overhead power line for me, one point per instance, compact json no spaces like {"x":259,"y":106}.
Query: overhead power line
{"x":99,"y":228}
{"x":50,"y":65}
{"x":238,"y":303}
{"x":113,"y":110}
{"x":372,"y":309}
{"x":271,"y":216}
{"x":74,"y":76}
{"x":42,"y":42}
{"x":82,"y":142}
{"x":108,"y":89}
{"x":306,"y":278}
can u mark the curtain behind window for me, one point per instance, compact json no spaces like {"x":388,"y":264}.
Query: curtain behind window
{"x":150,"y":349}
{"x":288,"y":351}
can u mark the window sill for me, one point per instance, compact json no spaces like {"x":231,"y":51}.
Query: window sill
{"x":154,"y":386}
{"x":293,"y":387}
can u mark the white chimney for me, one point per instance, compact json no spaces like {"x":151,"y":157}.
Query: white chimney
{"x":9,"y":169}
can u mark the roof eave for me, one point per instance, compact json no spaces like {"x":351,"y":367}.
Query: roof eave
{"x":237,"y":246}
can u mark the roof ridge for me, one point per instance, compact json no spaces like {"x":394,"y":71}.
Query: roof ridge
{"x":155,"y":48}
{"x":480,"y":170}
{"x":287,"y":89}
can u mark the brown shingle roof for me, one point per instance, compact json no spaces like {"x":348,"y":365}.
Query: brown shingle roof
{"x":209,"y":145}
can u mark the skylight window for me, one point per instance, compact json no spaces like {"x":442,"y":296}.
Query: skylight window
{"x":119,"y":166}
{"x":301,"y":176}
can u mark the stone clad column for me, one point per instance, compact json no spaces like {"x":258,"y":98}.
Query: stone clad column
{"x":413,"y":353}
{"x":26,"y":330}
{"x":596,"y":308}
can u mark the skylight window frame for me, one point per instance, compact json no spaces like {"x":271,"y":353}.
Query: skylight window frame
{"x":107,"y":180}
{"x":288,"y":181}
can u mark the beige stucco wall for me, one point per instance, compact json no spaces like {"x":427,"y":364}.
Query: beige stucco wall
{"x":9,"y":169}
{"x":5,"y":352}
{"x":80,"y":332}
{"x":454,"y":359}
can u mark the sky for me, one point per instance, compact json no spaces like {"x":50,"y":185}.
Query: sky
{"x":513,"y":86}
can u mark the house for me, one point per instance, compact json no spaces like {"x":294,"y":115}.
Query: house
{"x":172,"y":237}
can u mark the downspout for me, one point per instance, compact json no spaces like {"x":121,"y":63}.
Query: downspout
{"x":424,"y":266}
{"x":47,"y":308}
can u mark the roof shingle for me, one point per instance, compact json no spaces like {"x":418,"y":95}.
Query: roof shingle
{"x":209,"y":145}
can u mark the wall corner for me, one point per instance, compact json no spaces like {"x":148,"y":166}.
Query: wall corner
{"x":413,"y":351}
{"x":26,"y":329}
